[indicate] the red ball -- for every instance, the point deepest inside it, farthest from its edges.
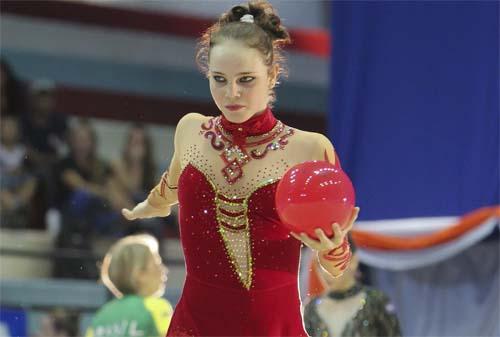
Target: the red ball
(314, 194)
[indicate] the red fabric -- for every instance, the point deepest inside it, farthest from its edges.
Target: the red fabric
(257, 125)
(213, 301)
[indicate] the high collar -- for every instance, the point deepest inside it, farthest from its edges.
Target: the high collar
(255, 126)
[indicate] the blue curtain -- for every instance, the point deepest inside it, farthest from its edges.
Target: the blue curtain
(414, 117)
(414, 105)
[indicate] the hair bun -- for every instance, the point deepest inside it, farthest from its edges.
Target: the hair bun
(237, 12)
(267, 18)
(275, 20)
(257, 12)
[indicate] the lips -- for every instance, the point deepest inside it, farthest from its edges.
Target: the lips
(234, 107)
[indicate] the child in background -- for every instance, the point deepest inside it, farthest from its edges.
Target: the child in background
(133, 271)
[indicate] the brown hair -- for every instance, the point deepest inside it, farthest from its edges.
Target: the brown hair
(124, 259)
(96, 168)
(265, 34)
(149, 166)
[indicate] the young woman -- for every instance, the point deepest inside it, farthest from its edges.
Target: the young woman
(241, 263)
(133, 173)
(133, 271)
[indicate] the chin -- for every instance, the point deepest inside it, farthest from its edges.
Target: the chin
(236, 116)
(159, 292)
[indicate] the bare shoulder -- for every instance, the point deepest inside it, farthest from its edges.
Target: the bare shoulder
(316, 144)
(308, 137)
(190, 119)
(188, 125)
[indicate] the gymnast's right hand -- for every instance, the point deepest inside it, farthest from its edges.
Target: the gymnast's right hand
(145, 210)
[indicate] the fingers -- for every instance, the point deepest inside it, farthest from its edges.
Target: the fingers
(354, 216)
(338, 234)
(127, 214)
(323, 242)
(326, 243)
(309, 242)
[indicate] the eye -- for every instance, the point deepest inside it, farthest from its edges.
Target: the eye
(219, 79)
(247, 79)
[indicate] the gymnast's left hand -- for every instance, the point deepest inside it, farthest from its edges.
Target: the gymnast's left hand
(323, 243)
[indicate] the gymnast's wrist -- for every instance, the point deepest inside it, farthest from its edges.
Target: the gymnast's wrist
(339, 256)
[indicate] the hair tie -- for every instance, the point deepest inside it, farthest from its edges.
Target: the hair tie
(247, 18)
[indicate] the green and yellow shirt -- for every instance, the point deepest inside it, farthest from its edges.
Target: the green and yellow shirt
(132, 316)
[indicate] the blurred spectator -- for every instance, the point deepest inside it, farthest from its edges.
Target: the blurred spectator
(17, 183)
(59, 323)
(82, 199)
(349, 308)
(133, 175)
(12, 100)
(44, 130)
(133, 271)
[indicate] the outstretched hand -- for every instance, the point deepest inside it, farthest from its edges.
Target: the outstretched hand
(145, 210)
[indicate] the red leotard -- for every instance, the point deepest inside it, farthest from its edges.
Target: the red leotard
(242, 265)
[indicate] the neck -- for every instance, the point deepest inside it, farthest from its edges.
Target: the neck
(142, 293)
(259, 124)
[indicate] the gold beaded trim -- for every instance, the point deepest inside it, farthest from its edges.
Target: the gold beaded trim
(231, 207)
(236, 225)
(245, 281)
(231, 223)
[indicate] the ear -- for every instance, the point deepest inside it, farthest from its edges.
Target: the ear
(273, 76)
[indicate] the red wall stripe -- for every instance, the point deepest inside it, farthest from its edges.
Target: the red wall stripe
(314, 42)
(112, 105)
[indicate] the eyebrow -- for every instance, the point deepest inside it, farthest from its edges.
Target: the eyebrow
(242, 73)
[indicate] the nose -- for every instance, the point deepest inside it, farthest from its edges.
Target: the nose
(233, 91)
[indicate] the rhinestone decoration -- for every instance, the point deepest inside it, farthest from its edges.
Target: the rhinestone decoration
(235, 157)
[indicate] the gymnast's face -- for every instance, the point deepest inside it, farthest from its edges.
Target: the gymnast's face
(240, 82)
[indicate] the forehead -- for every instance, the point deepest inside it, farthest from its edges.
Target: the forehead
(232, 57)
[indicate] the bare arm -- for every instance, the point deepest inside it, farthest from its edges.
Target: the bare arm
(75, 181)
(20, 197)
(164, 194)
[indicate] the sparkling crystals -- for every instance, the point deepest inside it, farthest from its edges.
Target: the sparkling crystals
(232, 172)
(230, 199)
(235, 157)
